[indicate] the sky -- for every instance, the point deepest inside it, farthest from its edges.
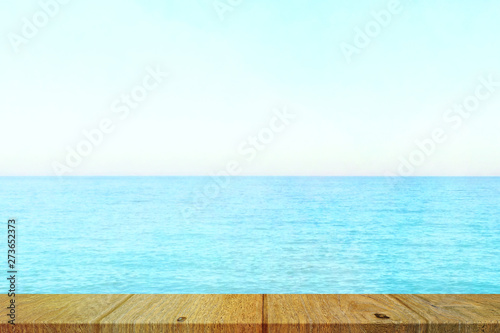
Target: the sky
(200, 87)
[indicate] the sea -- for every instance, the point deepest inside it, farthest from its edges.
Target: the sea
(248, 235)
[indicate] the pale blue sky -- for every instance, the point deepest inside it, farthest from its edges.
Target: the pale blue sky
(226, 77)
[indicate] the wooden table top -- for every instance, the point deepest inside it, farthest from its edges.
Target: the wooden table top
(140, 313)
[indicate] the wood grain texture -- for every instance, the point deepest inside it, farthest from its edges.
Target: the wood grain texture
(339, 313)
(186, 313)
(253, 313)
(456, 313)
(59, 313)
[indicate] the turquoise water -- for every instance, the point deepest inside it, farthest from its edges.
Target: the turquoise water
(255, 234)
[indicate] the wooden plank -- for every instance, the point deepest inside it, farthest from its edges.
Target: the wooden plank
(254, 313)
(456, 313)
(59, 313)
(186, 313)
(339, 313)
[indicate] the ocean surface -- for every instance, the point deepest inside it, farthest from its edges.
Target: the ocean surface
(254, 234)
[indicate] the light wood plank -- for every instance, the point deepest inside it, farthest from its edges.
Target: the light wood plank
(339, 313)
(59, 313)
(198, 313)
(254, 313)
(456, 313)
